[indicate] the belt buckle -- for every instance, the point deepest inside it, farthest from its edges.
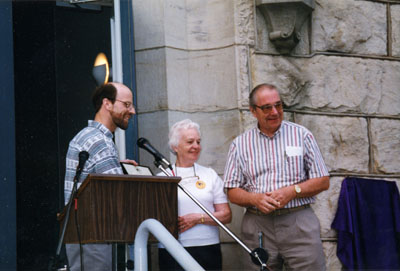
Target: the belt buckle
(280, 212)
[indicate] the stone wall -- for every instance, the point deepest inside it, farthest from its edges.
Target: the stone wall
(198, 59)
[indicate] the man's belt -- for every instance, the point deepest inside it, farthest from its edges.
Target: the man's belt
(279, 211)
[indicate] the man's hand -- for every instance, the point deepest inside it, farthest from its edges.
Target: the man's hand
(266, 203)
(263, 201)
(128, 161)
(283, 195)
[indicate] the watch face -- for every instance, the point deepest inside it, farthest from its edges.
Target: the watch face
(297, 188)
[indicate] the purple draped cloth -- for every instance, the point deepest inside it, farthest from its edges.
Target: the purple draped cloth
(368, 224)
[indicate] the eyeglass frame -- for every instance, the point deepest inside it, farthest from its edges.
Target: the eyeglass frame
(128, 105)
(267, 108)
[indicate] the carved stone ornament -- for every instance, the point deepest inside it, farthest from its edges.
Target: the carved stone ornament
(284, 19)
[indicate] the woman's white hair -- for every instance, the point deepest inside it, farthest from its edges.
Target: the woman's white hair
(175, 133)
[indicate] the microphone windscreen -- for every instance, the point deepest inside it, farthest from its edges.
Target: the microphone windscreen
(141, 142)
(83, 156)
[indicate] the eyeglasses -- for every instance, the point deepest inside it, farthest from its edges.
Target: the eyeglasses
(267, 108)
(128, 105)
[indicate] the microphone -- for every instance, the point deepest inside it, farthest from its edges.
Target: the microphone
(83, 156)
(145, 144)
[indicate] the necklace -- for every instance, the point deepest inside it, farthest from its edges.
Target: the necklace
(199, 183)
(194, 170)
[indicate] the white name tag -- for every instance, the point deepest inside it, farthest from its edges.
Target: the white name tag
(294, 151)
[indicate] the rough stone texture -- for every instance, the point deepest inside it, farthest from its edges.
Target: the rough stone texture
(385, 138)
(350, 26)
(325, 207)
(284, 73)
(332, 261)
(242, 75)
(244, 22)
(333, 84)
(343, 141)
(395, 12)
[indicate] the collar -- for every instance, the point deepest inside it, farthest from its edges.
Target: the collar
(277, 132)
(101, 127)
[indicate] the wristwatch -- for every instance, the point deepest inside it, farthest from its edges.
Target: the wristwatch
(297, 189)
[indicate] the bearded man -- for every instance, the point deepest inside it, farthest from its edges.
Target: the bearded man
(114, 107)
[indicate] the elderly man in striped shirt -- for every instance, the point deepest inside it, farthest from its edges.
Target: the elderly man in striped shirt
(274, 170)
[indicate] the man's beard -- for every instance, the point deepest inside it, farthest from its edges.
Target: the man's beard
(119, 120)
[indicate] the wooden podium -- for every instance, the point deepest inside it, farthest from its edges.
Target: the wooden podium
(110, 208)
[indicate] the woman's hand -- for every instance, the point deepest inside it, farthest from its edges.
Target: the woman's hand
(188, 221)
(222, 213)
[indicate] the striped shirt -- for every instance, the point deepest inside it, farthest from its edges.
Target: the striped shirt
(259, 164)
(97, 140)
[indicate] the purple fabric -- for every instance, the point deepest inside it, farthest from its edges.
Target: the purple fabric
(368, 224)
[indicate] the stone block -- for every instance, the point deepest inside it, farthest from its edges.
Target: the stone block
(232, 253)
(244, 22)
(175, 24)
(154, 126)
(210, 24)
(395, 14)
(289, 77)
(343, 141)
(235, 225)
(334, 84)
(358, 27)
(325, 207)
(151, 80)
(201, 80)
(148, 23)
(385, 143)
(183, 24)
(197, 80)
(242, 75)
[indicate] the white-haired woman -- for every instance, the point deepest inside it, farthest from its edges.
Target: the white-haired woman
(198, 233)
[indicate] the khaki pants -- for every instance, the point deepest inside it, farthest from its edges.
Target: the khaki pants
(292, 240)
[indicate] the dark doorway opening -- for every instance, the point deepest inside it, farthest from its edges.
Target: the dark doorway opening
(54, 50)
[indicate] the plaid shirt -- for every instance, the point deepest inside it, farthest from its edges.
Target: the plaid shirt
(97, 140)
(259, 164)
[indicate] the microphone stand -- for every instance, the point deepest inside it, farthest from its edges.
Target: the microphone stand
(54, 262)
(259, 256)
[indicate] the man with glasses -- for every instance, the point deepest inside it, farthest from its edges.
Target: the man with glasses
(274, 170)
(114, 107)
